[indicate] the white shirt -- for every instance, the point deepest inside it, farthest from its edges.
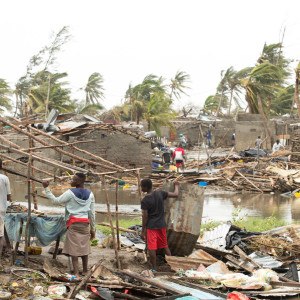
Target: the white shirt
(276, 147)
(182, 139)
(4, 191)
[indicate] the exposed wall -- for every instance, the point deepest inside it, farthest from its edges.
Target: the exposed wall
(247, 132)
(119, 148)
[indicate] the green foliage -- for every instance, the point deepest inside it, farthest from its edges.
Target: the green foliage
(209, 224)
(237, 216)
(5, 93)
(178, 84)
(256, 224)
(159, 113)
(59, 96)
(94, 90)
(125, 223)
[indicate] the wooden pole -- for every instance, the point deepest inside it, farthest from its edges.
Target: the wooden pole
(139, 184)
(199, 148)
(105, 166)
(85, 279)
(28, 211)
(79, 150)
(249, 181)
(111, 222)
(24, 164)
(117, 210)
(30, 143)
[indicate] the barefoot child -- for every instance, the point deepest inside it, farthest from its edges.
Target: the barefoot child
(154, 224)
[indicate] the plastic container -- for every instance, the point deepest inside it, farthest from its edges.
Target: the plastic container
(34, 250)
(297, 195)
(203, 183)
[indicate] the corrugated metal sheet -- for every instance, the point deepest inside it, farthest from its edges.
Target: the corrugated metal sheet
(68, 126)
(280, 292)
(265, 260)
(203, 255)
(183, 217)
(184, 289)
(285, 230)
(216, 238)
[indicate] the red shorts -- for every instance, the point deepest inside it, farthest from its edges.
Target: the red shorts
(156, 238)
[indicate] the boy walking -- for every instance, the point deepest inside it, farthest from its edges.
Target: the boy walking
(79, 215)
(153, 215)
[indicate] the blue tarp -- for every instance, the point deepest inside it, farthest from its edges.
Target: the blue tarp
(45, 229)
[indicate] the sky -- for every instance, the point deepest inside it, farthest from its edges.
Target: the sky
(125, 40)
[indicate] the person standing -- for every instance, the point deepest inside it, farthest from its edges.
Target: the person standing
(182, 140)
(179, 157)
(208, 138)
(79, 215)
(153, 219)
(277, 146)
(258, 142)
(233, 140)
(5, 196)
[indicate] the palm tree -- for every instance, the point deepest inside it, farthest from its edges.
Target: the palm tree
(259, 86)
(296, 97)
(159, 113)
(138, 97)
(222, 87)
(284, 101)
(5, 93)
(94, 90)
(178, 84)
(234, 83)
(59, 95)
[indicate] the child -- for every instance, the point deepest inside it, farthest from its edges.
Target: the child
(154, 224)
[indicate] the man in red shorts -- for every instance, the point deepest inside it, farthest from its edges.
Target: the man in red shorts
(179, 157)
(154, 224)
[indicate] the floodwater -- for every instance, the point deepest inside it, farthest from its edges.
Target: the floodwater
(218, 206)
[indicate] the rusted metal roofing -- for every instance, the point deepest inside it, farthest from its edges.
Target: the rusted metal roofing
(186, 263)
(288, 230)
(183, 217)
(68, 126)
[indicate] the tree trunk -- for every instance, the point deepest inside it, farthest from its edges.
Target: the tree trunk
(297, 92)
(17, 104)
(148, 125)
(220, 102)
(137, 118)
(265, 121)
(229, 107)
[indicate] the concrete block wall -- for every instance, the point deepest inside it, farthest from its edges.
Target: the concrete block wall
(247, 132)
(119, 148)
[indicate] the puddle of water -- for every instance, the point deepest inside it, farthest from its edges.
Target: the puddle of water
(217, 206)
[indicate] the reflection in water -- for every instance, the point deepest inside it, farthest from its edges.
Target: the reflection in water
(218, 207)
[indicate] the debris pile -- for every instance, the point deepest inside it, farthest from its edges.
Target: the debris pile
(235, 173)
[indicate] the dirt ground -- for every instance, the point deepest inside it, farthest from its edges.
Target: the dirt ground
(129, 259)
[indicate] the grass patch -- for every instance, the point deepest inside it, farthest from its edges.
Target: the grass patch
(256, 224)
(252, 224)
(125, 223)
(209, 224)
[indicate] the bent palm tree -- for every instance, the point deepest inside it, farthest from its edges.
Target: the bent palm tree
(5, 93)
(94, 90)
(178, 86)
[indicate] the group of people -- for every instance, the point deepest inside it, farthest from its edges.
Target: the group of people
(277, 146)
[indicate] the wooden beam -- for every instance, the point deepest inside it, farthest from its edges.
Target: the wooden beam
(28, 122)
(53, 146)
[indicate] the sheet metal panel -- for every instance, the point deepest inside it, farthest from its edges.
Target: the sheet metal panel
(183, 217)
